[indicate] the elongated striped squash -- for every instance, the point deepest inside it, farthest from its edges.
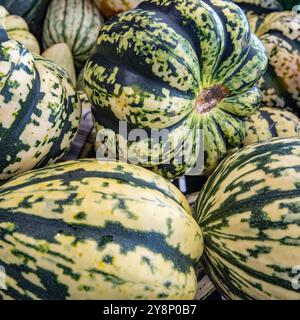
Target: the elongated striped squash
(280, 34)
(75, 22)
(17, 29)
(111, 8)
(96, 230)
(179, 67)
(268, 123)
(39, 109)
(33, 11)
(249, 212)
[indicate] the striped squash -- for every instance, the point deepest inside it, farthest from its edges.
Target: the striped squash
(266, 6)
(111, 8)
(180, 66)
(250, 218)
(17, 29)
(280, 34)
(75, 22)
(260, 6)
(96, 230)
(39, 109)
(268, 123)
(33, 11)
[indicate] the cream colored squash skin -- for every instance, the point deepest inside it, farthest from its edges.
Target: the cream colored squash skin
(268, 123)
(280, 34)
(75, 22)
(39, 109)
(249, 213)
(97, 230)
(17, 29)
(110, 8)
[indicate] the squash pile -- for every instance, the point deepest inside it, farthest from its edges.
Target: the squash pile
(149, 91)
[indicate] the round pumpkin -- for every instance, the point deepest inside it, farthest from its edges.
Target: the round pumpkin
(111, 8)
(33, 11)
(186, 68)
(280, 34)
(97, 230)
(39, 109)
(268, 123)
(17, 29)
(249, 215)
(75, 22)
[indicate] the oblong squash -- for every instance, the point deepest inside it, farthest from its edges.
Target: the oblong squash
(97, 230)
(249, 213)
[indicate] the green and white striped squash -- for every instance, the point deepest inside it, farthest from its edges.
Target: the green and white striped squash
(260, 7)
(268, 123)
(97, 230)
(39, 109)
(181, 66)
(75, 22)
(61, 54)
(249, 213)
(33, 11)
(17, 29)
(280, 34)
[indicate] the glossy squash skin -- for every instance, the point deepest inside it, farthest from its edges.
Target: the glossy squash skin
(39, 110)
(97, 230)
(183, 66)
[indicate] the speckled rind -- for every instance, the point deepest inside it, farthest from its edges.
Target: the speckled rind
(249, 214)
(97, 230)
(152, 63)
(75, 22)
(39, 110)
(268, 123)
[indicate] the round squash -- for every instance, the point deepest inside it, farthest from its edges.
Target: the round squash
(17, 29)
(268, 123)
(280, 34)
(111, 8)
(249, 215)
(39, 109)
(97, 230)
(175, 67)
(33, 11)
(75, 22)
